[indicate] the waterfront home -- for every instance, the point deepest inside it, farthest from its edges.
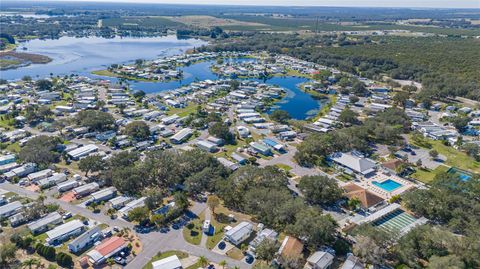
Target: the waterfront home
(239, 233)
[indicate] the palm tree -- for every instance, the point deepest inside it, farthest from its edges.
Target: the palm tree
(223, 263)
(202, 261)
(30, 262)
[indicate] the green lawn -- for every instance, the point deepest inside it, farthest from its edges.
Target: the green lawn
(159, 256)
(182, 112)
(107, 73)
(192, 233)
(284, 167)
(218, 234)
(426, 175)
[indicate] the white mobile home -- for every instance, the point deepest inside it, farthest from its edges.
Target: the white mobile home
(44, 224)
(65, 231)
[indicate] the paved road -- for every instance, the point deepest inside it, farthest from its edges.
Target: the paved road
(152, 242)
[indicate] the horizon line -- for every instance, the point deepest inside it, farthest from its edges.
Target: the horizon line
(146, 2)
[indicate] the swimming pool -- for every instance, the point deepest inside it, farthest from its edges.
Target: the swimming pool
(387, 185)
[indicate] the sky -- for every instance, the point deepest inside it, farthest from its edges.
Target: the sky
(337, 3)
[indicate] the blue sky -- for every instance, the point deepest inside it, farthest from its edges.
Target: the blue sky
(352, 3)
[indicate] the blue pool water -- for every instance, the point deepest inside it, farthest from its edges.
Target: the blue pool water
(387, 185)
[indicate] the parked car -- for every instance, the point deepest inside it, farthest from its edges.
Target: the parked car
(67, 215)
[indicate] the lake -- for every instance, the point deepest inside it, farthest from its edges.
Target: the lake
(84, 55)
(300, 105)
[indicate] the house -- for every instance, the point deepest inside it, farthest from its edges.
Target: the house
(103, 195)
(6, 159)
(34, 177)
(228, 164)
(21, 171)
(354, 162)
(239, 233)
(119, 202)
(207, 145)
(265, 234)
(368, 200)
(239, 158)
(17, 219)
(171, 262)
(80, 152)
(131, 205)
(106, 249)
(66, 186)
(65, 231)
(291, 248)
(262, 149)
(10, 209)
(84, 240)
(170, 119)
(319, 260)
(352, 262)
(45, 223)
(52, 180)
(181, 136)
(217, 141)
(85, 189)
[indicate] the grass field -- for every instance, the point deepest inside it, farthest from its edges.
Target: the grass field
(106, 73)
(182, 112)
(159, 256)
(192, 233)
(426, 176)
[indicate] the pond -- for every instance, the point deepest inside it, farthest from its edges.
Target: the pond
(297, 103)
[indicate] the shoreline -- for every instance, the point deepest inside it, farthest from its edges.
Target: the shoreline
(12, 59)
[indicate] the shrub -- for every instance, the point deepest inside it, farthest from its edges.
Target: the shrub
(64, 260)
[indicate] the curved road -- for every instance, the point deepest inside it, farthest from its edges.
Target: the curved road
(153, 242)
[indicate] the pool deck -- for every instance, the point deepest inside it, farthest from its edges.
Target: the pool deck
(380, 177)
